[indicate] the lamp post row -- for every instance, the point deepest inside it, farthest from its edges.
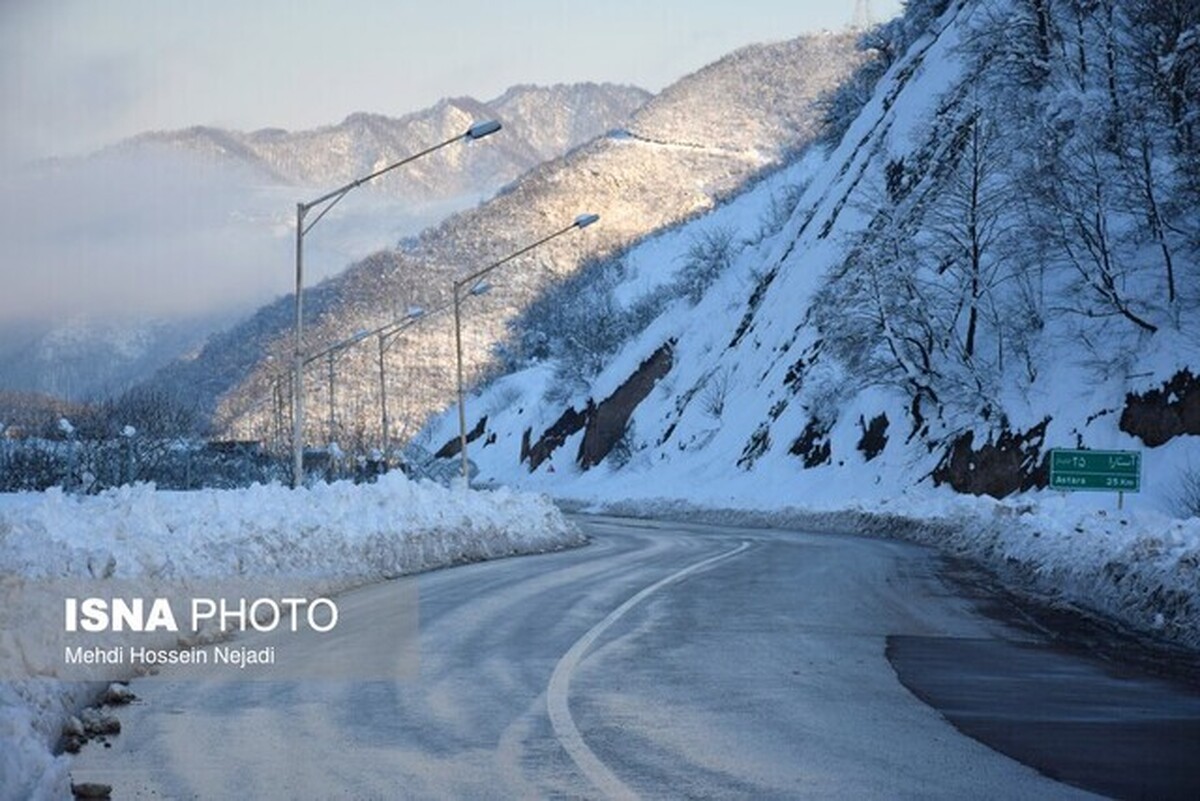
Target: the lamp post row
(330, 199)
(330, 354)
(386, 332)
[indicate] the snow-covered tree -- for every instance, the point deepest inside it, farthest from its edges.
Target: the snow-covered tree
(708, 255)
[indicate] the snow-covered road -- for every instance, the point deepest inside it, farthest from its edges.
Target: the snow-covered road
(664, 660)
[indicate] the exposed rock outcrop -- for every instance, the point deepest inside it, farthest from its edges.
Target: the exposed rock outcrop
(1159, 415)
(1011, 463)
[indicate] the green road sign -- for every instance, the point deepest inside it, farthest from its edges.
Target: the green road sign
(1114, 471)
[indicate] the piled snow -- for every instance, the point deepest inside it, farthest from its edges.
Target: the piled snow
(343, 533)
(1140, 568)
(336, 536)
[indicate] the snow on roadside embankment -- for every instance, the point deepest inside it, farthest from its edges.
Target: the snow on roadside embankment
(337, 536)
(1138, 568)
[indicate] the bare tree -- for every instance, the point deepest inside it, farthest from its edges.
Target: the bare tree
(872, 313)
(709, 254)
(968, 218)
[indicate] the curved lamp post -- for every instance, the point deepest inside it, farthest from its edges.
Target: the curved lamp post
(477, 131)
(471, 284)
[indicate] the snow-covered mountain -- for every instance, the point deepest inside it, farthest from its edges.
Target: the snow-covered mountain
(691, 146)
(998, 257)
(85, 359)
(183, 230)
(541, 123)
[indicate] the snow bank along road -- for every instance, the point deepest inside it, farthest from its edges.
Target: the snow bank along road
(671, 661)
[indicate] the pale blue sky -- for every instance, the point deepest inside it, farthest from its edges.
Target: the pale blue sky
(78, 74)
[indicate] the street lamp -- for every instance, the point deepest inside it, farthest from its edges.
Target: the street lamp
(477, 131)
(471, 283)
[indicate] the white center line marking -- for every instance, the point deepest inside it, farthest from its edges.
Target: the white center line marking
(560, 684)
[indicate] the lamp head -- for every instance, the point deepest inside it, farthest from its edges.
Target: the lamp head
(584, 220)
(482, 129)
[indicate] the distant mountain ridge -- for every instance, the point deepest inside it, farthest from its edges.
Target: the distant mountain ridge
(541, 123)
(261, 174)
(86, 359)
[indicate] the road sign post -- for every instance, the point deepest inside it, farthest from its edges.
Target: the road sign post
(1102, 471)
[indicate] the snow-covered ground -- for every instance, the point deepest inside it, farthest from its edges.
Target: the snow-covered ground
(330, 536)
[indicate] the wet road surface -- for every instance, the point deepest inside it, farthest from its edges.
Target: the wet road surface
(670, 661)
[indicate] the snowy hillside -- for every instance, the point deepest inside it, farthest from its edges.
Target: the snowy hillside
(998, 258)
(638, 180)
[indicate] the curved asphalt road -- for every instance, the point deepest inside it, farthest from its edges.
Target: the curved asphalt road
(661, 661)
